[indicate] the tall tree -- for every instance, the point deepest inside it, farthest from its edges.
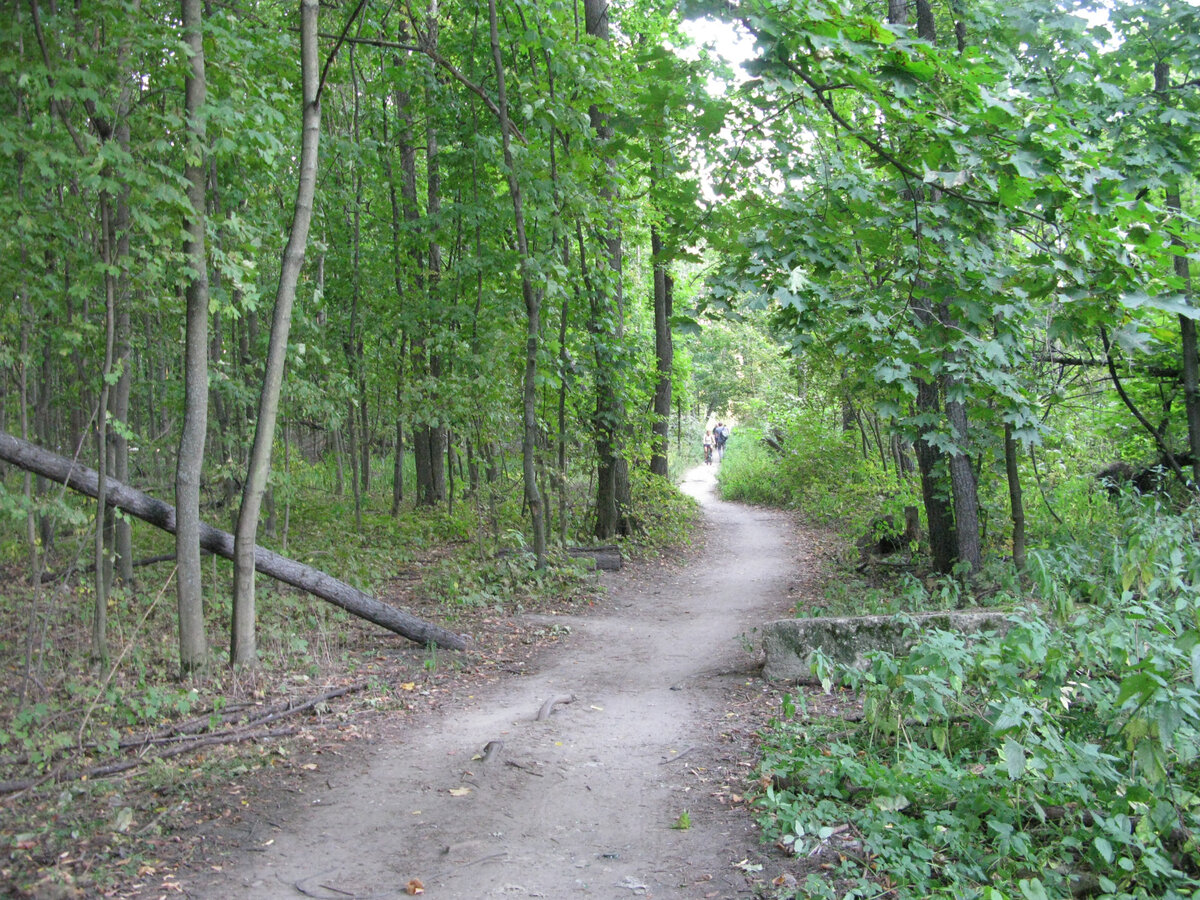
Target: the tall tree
(193, 644)
(607, 323)
(243, 647)
(533, 497)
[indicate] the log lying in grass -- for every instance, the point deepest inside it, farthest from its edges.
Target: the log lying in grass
(607, 558)
(789, 644)
(79, 478)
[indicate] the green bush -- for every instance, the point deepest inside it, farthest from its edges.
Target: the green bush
(817, 468)
(1064, 753)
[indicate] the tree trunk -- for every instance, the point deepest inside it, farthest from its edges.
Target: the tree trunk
(664, 354)
(938, 515)
(193, 645)
(162, 515)
(438, 437)
(1015, 501)
(533, 497)
(119, 444)
(242, 631)
(963, 488)
(104, 537)
(607, 326)
(1187, 326)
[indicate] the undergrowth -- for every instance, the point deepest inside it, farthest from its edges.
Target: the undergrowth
(1060, 759)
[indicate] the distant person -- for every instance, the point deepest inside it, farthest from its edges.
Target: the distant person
(720, 435)
(708, 448)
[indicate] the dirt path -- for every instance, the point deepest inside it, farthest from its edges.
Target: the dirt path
(580, 802)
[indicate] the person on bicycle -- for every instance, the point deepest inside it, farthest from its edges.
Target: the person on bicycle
(708, 448)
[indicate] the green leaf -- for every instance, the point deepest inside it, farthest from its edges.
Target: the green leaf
(1014, 758)
(1170, 303)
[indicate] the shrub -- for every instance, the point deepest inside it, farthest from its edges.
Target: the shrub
(1064, 753)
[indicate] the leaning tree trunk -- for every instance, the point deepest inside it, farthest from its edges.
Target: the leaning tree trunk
(193, 645)
(242, 635)
(162, 515)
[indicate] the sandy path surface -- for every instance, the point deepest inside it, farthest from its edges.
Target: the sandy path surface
(580, 802)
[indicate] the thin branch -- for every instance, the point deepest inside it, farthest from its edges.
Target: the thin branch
(338, 46)
(370, 42)
(54, 102)
(1137, 413)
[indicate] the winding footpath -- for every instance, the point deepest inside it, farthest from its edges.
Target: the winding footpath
(575, 779)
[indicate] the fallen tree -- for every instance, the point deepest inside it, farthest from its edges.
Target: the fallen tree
(79, 478)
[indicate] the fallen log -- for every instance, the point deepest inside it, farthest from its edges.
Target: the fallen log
(607, 558)
(79, 478)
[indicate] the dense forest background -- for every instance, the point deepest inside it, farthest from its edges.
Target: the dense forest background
(354, 280)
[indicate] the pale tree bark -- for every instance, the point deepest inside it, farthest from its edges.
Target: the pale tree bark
(193, 645)
(533, 497)
(242, 632)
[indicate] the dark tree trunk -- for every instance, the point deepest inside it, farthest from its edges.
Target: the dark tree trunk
(1015, 501)
(1187, 326)
(664, 354)
(938, 514)
(607, 325)
(963, 487)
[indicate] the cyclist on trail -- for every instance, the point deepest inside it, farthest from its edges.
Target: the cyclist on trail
(708, 448)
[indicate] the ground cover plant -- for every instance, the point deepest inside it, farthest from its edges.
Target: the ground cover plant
(1059, 759)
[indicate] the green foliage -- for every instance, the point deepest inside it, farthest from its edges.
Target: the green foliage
(663, 515)
(813, 466)
(1015, 764)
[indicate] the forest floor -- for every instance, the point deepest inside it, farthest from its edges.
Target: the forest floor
(603, 749)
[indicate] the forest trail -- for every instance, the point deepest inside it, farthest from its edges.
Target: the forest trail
(582, 801)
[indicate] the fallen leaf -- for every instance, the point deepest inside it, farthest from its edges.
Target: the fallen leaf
(414, 887)
(459, 791)
(408, 686)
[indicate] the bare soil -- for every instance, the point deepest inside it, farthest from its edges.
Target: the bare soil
(612, 765)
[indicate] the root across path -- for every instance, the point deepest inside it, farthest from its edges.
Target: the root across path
(610, 771)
